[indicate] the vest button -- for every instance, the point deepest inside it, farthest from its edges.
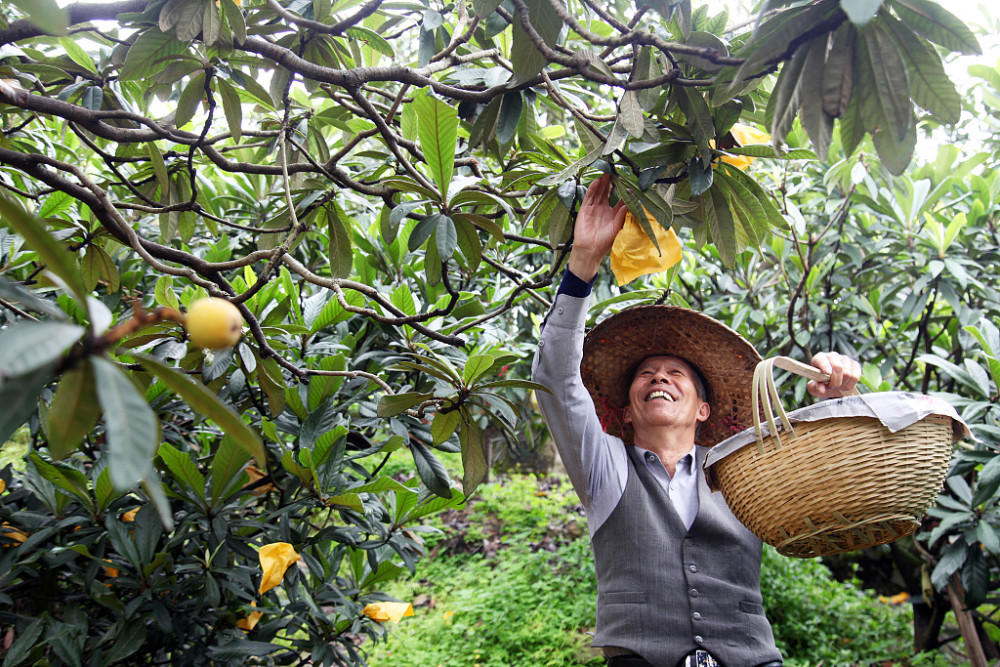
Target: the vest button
(688, 543)
(696, 616)
(693, 592)
(693, 567)
(698, 639)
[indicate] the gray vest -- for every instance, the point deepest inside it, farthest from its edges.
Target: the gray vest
(663, 591)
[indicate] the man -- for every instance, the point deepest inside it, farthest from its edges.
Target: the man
(633, 411)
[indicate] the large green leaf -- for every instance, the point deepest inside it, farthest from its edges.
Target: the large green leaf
(698, 120)
(183, 469)
(930, 86)
(720, 223)
(132, 429)
(66, 478)
(935, 23)
(785, 99)
(430, 469)
(393, 404)
(19, 398)
(474, 464)
(190, 98)
(74, 411)
(527, 60)
(838, 72)
(26, 346)
(205, 402)
(437, 127)
(815, 121)
(892, 82)
(147, 55)
(52, 253)
(339, 233)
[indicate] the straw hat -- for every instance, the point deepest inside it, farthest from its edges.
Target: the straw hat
(726, 361)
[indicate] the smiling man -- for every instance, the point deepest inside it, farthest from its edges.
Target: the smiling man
(634, 408)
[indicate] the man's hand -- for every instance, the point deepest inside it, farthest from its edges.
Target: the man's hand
(844, 374)
(597, 224)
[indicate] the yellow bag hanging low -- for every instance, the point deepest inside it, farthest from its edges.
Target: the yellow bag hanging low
(634, 255)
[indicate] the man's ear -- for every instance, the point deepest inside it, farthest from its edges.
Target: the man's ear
(704, 411)
(627, 414)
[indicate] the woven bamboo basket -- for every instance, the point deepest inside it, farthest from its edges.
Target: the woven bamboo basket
(832, 485)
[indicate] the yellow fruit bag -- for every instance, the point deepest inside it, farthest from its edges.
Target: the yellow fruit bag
(634, 255)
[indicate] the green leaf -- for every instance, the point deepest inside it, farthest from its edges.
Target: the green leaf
(130, 424)
(64, 477)
(26, 346)
(190, 98)
(815, 121)
(47, 15)
(74, 411)
(148, 54)
(431, 471)
(19, 398)
(183, 469)
(234, 16)
(930, 86)
(936, 24)
(485, 7)
(372, 39)
(437, 127)
(698, 119)
(630, 114)
(341, 251)
(838, 72)
(52, 253)
(444, 424)
(626, 190)
(860, 12)
(510, 114)
(892, 83)
(77, 54)
(445, 236)
(720, 224)
(392, 404)
(476, 366)
(647, 67)
(98, 265)
(785, 100)
(474, 465)
(527, 60)
(227, 466)
(203, 401)
(27, 638)
(104, 490)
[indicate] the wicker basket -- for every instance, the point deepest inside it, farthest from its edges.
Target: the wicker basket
(832, 485)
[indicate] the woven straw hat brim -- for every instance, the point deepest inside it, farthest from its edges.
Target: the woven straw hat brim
(726, 361)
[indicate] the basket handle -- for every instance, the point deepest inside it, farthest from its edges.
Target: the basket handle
(764, 391)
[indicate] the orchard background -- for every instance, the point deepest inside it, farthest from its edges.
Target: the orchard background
(386, 192)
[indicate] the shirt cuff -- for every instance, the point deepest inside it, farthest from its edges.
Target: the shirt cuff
(573, 285)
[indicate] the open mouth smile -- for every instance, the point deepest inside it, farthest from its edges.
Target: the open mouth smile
(659, 394)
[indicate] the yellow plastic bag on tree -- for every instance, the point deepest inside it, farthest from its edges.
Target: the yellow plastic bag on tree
(274, 560)
(387, 611)
(745, 136)
(634, 255)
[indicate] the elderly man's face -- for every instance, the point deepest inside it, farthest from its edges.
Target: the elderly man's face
(664, 392)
